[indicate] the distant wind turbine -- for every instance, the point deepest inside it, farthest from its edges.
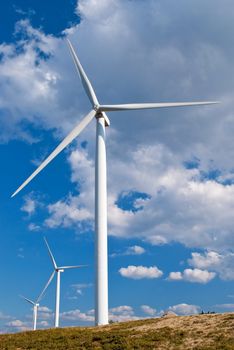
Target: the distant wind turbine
(36, 304)
(98, 112)
(58, 270)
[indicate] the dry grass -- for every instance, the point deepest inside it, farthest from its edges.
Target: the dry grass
(200, 332)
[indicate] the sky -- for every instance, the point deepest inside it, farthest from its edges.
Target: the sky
(170, 172)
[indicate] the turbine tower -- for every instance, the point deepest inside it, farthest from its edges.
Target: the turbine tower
(98, 112)
(36, 304)
(58, 270)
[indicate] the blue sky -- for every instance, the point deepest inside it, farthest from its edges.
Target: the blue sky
(170, 172)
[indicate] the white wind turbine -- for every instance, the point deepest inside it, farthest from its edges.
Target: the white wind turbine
(58, 270)
(36, 304)
(98, 112)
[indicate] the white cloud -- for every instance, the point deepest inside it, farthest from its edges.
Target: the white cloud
(96, 10)
(182, 209)
(221, 263)
(133, 250)
(122, 313)
(148, 310)
(26, 90)
(79, 287)
(43, 324)
(184, 206)
(45, 313)
(122, 308)
(197, 275)
(33, 227)
(18, 325)
(209, 260)
(91, 312)
(76, 315)
(67, 213)
(140, 272)
(185, 309)
(192, 275)
(29, 205)
(175, 276)
(44, 309)
(156, 240)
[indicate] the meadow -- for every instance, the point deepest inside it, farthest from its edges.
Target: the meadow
(200, 332)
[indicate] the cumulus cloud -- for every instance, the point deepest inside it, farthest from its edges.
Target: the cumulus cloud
(43, 324)
(26, 90)
(206, 266)
(148, 310)
(17, 326)
(67, 213)
(29, 205)
(76, 315)
(133, 250)
(188, 204)
(206, 260)
(122, 313)
(185, 309)
(181, 207)
(175, 276)
(140, 272)
(45, 313)
(122, 308)
(221, 263)
(192, 275)
(44, 309)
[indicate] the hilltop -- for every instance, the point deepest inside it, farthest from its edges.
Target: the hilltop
(200, 332)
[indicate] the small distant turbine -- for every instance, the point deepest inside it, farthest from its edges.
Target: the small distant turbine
(98, 112)
(58, 270)
(36, 304)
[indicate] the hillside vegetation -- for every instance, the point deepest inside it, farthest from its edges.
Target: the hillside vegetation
(200, 332)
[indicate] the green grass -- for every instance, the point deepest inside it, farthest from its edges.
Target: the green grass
(202, 332)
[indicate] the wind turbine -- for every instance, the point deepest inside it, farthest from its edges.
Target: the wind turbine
(58, 270)
(36, 304)
(98, 112)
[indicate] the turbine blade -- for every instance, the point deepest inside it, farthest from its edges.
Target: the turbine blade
(50, 254)
(46, 286)
(68, 139)
(107, 120)
(133, 106)
(28, 300)
(71, 267)
(84, 79)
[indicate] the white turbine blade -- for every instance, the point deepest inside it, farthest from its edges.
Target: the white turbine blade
(133, 106)
(84, 79)
(71, 267)
(107, 120)
(46, 286)
(68, 139)
(51, 255)
(28, 300)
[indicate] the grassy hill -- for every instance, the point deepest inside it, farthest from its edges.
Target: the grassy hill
(200, 332)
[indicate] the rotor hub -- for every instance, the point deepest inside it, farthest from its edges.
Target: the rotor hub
(96, 107)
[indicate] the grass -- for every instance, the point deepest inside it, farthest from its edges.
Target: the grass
(200, 332)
